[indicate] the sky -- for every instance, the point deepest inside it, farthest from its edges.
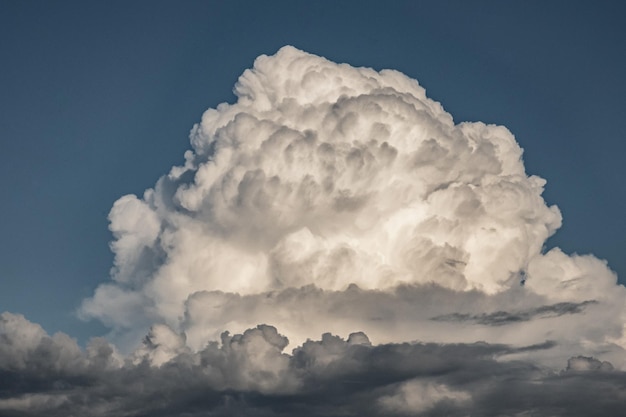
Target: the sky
(98, 101)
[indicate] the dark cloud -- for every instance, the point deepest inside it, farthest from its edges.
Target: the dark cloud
(249, 374)
(501, 318)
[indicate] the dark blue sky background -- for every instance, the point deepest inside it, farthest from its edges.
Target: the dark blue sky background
(97, 99)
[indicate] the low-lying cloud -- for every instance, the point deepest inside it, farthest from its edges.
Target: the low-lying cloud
(250, 374)
(332, 200)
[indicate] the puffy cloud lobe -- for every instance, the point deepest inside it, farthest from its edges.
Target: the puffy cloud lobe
(135, 227)
(27, 348)
(584, 363)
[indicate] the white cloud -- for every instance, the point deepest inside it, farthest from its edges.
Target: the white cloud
(321, 176)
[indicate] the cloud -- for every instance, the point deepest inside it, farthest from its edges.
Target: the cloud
(417, 396)
(584, 363)
(326, 185)
(250, 374)
(332, 200)
(500, 318)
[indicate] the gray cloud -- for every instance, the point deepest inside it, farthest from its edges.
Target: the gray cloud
(330, 198)
(501, 318)
(249, 374)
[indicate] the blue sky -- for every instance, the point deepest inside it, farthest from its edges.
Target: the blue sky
(97, 100)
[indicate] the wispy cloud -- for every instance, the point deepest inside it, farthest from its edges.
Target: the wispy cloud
(501, 318)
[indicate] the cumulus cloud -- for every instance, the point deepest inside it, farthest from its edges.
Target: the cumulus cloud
(332, 200)
(326, 185)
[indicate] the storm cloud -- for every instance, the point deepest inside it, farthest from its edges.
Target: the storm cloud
(334, 244)
(249, 374)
